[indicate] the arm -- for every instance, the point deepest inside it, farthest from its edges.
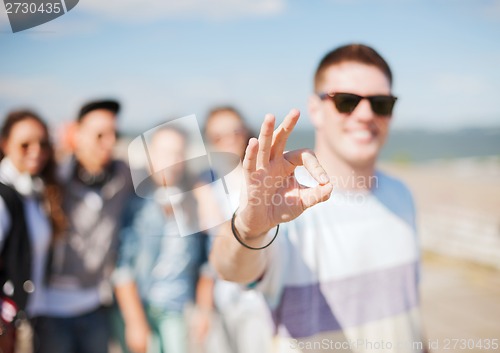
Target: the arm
(205, 293)
(204, 307)
(270, 195)
(137, 330)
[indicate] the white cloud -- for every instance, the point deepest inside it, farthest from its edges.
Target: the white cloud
(140, 10)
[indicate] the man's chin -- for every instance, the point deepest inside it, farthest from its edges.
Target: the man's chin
(362, 157)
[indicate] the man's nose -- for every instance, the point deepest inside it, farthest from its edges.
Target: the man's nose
(363, 111)
(109, 141)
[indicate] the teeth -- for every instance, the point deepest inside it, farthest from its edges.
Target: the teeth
(362, 134)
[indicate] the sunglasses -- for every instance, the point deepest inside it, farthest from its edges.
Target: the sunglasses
(347, 102)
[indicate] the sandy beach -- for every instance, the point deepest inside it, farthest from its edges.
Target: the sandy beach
(458, 207)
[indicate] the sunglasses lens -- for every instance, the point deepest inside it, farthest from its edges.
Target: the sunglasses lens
(345, 102)
(382, 105)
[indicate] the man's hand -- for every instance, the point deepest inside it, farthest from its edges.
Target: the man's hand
(271, 194)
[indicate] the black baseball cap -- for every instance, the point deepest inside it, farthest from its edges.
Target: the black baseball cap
(111, 105)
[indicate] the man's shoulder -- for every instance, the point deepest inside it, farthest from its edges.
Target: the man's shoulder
(120, 166)
(388, 183)
(120, 182)
(396, 196)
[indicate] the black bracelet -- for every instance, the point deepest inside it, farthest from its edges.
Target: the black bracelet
(236, 235)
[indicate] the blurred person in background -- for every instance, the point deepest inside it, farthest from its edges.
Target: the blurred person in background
(30, 219)
(243, 313)
(96, 189)
(157, 270)
(65, 140)
(346, 271)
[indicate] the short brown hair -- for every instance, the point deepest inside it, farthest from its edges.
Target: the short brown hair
(359, 53)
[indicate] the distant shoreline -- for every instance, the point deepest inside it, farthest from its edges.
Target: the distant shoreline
(409, 146)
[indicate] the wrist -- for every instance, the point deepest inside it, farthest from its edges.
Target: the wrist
(204, 310)
(246, 232)
(252, 242)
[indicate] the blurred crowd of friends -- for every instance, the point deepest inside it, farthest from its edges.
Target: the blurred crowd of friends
(97, 263)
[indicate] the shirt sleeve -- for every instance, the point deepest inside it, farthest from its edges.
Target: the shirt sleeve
(5, 222)
(127, 247)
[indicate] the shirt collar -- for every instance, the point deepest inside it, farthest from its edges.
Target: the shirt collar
(23, 183)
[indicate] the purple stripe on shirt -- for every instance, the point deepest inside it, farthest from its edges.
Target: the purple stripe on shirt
(315, 308)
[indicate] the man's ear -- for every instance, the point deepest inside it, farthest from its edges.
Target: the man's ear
(76, 136)
(315, 111)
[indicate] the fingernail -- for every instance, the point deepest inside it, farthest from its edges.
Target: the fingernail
(324, 178)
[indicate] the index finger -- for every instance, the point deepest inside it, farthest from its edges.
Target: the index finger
(308, 159)
(280, 136)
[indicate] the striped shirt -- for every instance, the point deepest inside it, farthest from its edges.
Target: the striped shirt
(344, 275)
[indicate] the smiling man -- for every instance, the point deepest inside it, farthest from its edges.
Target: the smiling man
(96, 189)
(342, 275)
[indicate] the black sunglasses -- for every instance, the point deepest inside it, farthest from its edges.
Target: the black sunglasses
(347, 102)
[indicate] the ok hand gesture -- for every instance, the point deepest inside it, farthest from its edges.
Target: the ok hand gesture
(271, 194)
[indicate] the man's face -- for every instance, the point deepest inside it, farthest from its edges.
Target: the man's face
(355, 137)
(226, 133)
(96, 138)
(167, 154)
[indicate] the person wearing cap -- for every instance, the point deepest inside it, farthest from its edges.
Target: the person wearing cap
(96, 189)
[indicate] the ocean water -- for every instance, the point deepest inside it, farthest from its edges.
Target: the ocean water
(421, 145)
(407, 146)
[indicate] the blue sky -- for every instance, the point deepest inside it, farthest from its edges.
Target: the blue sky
(171, 58)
